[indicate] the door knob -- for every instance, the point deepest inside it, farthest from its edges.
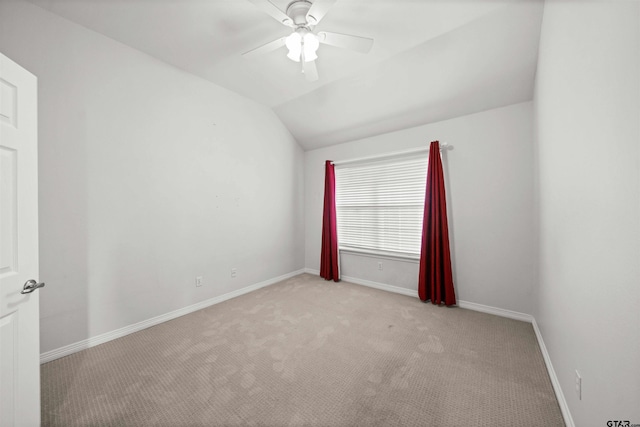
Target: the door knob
(30, 286)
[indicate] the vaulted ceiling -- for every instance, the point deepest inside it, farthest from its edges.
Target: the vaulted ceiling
(431, 59)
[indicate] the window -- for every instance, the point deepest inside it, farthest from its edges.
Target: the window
(380, 205)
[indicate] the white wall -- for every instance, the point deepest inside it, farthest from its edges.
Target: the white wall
(587, 109)
(489, 184)
(148, 177)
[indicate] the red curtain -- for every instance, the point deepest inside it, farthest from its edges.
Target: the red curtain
(435, 281)
(329, 255)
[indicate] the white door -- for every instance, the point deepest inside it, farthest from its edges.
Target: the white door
(19, 312)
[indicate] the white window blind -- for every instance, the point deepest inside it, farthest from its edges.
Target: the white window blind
(380, 205)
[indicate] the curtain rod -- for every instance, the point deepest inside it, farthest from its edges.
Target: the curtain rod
(443, 146)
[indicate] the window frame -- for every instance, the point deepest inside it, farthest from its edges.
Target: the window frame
(420, 180)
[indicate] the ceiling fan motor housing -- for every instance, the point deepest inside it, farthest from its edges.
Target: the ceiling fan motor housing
(297, 11)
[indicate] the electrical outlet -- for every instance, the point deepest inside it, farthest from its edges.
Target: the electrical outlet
(578, 385)
(199, 281)
(234, 272)
(380, 266)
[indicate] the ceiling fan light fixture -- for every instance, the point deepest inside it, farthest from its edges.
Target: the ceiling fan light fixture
(294, 44)
(310, 47)
(302, 41)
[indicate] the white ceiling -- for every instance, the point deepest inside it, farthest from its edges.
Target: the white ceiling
(431, 59)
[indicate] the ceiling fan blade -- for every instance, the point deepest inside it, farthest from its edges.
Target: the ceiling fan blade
(310, 71)
(270, 9)
(318, 9)
(265, 48)
(345, 41)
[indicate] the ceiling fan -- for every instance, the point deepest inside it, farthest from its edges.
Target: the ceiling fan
(303, 42)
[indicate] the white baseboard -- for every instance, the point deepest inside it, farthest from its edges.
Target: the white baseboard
(414, 293)
(371, 284)
(118, 333)
(381, 286)
(496, 311)
(564, 408)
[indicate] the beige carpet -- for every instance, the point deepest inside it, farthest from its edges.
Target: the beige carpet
(309, 352)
